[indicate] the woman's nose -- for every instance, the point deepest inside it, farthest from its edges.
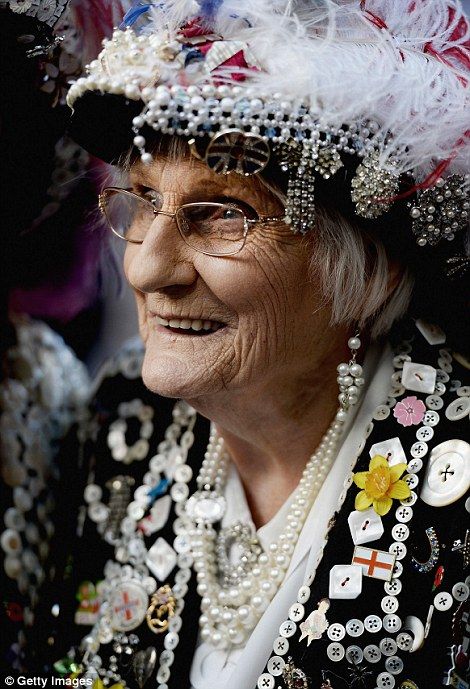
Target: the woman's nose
(162, 260)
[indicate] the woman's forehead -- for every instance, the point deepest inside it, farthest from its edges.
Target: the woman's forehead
(193, 176)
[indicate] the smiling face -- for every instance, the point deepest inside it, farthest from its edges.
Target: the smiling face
(218, 324)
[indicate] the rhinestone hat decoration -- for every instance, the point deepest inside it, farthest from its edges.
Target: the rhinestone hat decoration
(256, 78)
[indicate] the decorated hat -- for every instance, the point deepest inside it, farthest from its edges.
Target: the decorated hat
(378, 86)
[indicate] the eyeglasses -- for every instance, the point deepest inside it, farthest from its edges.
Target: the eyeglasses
(214, 229)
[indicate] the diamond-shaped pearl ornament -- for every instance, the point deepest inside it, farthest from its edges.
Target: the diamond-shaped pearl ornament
(365, 526)
(161, 559)
(418, 377)
(345, 581)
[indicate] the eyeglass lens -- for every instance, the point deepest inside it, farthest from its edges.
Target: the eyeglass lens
(212, 228)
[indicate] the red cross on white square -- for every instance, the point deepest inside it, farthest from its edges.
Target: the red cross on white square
(377, 564)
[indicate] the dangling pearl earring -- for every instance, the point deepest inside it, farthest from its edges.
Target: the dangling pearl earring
(350, 376)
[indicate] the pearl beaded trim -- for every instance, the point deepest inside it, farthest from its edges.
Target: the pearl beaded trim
(229, 616)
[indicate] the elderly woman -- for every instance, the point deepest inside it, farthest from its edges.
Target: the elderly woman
(290, 171)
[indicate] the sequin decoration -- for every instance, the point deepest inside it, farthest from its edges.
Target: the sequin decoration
(430, 563)
(373, 188)
(293, 677)
(441, 211)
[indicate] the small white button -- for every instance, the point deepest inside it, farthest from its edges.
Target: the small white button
(373, 624)
(391, 449)
(393, 587)
(385, 681)
(336, 632)
(458, 409)
(394, 665)
(355, 627)
(447, 475)
(460, 591)
(415, 465)
(405, 641)
(400, 532)
(445, 365)
(442, 376)
(463, 391)
(280, 646)
(335, 652)
(296, 612)
(287, 629)
(381, 412)
(432, 334)
(398, 549)
(419, 449)
(276, 665)
(389, 604)
(410, 500)
(411, 480)
(365, 526)
(404, 514)
(443, 601)
(392, 623)
(345, 581)
(354, 654)
(400, 359)
(372, 653)
(439, 389)
(397, 569)
(266, 681)
(434, 402)
(431, 418)
(388, 646)
(425, 433)
(303, 594)
(445, 354)
(454, 385)
(418, 377)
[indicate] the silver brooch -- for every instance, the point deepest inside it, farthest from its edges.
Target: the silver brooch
(237, 151)
(441, 211)
(373, 187)
(293, 677)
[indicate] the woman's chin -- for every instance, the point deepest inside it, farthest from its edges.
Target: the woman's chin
(167, 376)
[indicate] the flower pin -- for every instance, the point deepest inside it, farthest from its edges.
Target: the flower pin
(410, 411)
(380, 485)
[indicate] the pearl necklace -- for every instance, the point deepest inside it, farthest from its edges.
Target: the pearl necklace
(230, 615)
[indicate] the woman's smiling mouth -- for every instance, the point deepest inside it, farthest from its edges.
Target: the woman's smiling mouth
(188, 326)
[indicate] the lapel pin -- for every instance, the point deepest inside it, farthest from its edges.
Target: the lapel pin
(316, 623)
(377, 564)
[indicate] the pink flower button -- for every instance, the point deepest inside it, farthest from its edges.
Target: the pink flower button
(410, 411)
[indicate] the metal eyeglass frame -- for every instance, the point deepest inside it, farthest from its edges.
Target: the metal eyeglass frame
(246, 221)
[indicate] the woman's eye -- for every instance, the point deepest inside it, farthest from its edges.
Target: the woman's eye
(238, 205)
(230, 213)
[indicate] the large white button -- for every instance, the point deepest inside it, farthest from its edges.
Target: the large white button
(418, 377)
(458, 409)
(287, 629)
(280, 646)
(447, 475)
(443, 601)
(296, 612)
(276, 665)
(345, 581)
(391, 449)
(365, 526)
(266, 681)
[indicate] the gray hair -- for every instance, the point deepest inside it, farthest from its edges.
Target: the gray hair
(353, 267)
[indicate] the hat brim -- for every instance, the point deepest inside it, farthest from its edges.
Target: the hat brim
(102, 124)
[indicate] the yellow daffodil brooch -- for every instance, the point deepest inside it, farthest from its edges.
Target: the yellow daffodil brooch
(380, 485)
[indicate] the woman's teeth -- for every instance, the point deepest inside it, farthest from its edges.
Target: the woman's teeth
(188, 324)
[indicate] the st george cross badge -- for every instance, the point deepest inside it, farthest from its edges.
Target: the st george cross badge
(377, 564)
